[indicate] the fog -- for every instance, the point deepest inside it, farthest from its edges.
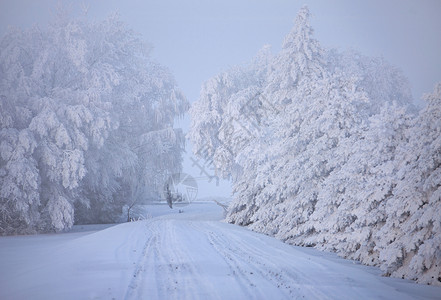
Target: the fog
(198, 39)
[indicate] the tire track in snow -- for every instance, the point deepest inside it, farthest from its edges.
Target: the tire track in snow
(137, 280)
(281, 275)
(176, 267)
(291, 274)
(186, 279)
(235, 264)
(163, 270)
(150, 277)
(289, 280)
(243, 276)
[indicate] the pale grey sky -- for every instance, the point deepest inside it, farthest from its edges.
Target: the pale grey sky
(197, 39)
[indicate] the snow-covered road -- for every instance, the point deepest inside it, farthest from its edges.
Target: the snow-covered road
(190, 255)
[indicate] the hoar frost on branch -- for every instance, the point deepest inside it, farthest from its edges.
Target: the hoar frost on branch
(325, 149)
(86, 124)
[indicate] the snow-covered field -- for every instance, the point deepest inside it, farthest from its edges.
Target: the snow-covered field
(189, 255)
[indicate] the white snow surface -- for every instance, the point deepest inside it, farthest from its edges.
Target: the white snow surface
(188, 255)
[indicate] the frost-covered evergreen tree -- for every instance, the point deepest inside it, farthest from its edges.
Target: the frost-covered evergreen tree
(354, 196)
(86, 124)
(410, 241)
(301, 59)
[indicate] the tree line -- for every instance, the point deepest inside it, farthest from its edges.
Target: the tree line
(86, 124)
(324, 148)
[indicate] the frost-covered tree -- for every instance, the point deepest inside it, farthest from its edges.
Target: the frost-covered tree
(353, 198)
(299, 62)
(410, 241)
(19, 180)
(380, 80)
(86, 124)
(228, 113)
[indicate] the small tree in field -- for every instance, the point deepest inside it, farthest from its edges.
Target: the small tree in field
(168, 196)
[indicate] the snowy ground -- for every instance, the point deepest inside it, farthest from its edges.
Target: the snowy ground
(189, 255)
